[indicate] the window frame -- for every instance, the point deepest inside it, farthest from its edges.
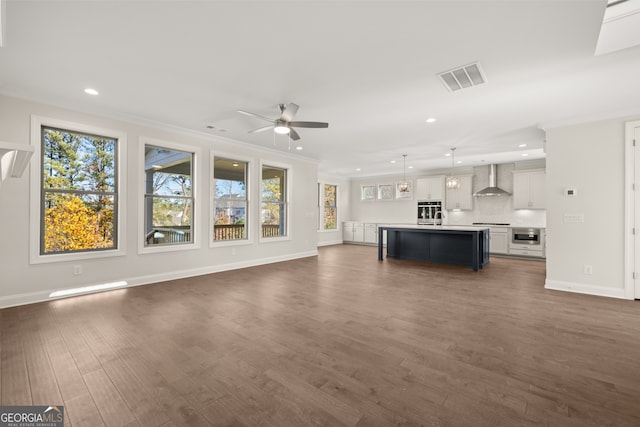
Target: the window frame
(249, 212)
(36, 219)
(287, 193)
(143, 141)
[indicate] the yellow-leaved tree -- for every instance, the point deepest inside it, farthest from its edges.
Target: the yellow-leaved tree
(70, 226)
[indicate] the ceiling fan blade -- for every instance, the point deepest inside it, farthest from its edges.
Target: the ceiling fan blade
(289, 111)
(309, 124)
(293, 134)
(261, 129)
(248, 113)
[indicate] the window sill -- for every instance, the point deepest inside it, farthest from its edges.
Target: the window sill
(224, 243)
(167, 248)
(78, 256)
(274, 239)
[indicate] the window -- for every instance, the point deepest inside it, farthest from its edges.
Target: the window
(230, 205)
(168, 199)
(273, 209)
(330, 208)
(78, 191)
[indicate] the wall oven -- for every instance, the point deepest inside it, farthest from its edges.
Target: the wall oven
(525, 236)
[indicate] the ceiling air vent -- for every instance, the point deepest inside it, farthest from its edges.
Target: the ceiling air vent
(463, 77)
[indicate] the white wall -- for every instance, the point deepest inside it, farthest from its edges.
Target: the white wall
(22, 282)
(333, 237)
(590, 158)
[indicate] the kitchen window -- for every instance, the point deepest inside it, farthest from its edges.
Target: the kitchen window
(274, 203)
(168, 198)
(230, 199)
(330, 213)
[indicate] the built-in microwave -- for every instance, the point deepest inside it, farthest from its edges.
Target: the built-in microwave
(525, 236)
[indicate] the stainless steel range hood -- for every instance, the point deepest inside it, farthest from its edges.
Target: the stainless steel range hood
(492, 189)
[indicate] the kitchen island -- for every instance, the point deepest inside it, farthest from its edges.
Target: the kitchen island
(457, 245)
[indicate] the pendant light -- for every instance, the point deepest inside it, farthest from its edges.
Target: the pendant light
(452, 182)
(403, 186)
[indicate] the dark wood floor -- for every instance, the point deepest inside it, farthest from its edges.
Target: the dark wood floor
(340, 339)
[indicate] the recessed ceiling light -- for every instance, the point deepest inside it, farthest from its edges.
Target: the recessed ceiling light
(298, 147)
(358, 169)
(459, 161)
(525, 154)
(448, 155)
(392, 161)
(410, 167)
(235, 164)
(90, 91)
(522, 145)
(431, 120)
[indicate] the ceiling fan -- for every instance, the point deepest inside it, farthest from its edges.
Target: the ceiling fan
(285, 124)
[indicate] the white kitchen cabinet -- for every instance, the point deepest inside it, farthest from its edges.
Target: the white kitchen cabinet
(528, 189)
(353, 232)
(371, 233)
(527, 252)
(499, 240)
(431, 188)
(460, 198)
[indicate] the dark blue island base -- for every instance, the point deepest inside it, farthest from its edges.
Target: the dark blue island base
(444, 245)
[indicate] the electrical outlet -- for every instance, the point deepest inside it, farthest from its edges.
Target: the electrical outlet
(588, 269)
(77, 270)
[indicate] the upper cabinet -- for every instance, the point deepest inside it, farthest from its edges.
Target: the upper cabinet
(528, 189)
(431, 188)
(461, 198)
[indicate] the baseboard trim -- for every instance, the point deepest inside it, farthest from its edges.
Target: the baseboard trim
(41, 296)
(580, 288)
(330, 243)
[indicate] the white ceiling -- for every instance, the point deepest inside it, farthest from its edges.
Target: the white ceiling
(369, 68)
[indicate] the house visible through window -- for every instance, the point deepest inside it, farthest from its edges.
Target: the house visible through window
(168, 196)
(274, 202)
(79, 199)
(230, 208)
(330, 207)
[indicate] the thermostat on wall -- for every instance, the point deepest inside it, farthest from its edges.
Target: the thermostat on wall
(571, 192)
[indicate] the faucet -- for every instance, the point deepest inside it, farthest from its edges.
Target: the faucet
(435, 217)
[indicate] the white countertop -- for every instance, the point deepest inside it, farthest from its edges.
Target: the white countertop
(439, 227)
(506, 226)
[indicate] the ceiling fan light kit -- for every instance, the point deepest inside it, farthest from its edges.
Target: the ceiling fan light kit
(281, 129)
